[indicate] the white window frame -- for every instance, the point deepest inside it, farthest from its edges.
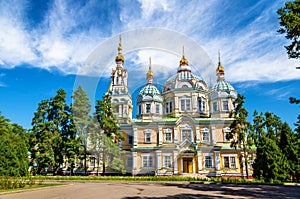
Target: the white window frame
(231, 161)
(147, 161)
(201, 105)
(167, 158)
(205, 131)
(211, 165)
(184, 133)
(147, 135)
(184, 106)
(168, 131)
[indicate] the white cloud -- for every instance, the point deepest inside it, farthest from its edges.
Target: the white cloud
(245, 33)
(15, 46)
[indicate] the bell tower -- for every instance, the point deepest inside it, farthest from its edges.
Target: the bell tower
(118, 89)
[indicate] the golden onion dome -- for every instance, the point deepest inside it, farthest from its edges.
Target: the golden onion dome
(120, 57)
(220, 69)
(184, 61)
(150, 74)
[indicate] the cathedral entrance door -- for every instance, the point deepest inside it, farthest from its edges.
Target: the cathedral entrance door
(187, 165)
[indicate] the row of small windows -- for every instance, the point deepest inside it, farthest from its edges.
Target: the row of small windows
(185, 106)
(185, 134)
(229, 162)
(225, 106)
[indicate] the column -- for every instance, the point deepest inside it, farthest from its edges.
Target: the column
(175, 158)
(159, 135)
(213, 135)
(134, 162)
(135, 137)
(175, 135)
(217, 160)
(158, 161)
(199, 154)
(197, 135)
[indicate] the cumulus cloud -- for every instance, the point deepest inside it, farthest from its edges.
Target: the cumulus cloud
(69, 32)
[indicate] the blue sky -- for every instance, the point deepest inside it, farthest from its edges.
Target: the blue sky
(46, 45)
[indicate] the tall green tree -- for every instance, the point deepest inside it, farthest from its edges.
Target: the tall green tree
(240, 130)
(269, 162)
(289, 17)
(53, 127)
(104, 149)
(297, 124)
(13, 149)
(107, 122)
(276, 150)
(289, 145)
(81, 108)
(106, 118)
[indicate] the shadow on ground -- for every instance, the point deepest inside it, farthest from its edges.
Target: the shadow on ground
(231, 190)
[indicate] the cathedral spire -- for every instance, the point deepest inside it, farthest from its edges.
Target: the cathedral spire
(150, 74)
(183, 60)
(220, 69)
(120, 57)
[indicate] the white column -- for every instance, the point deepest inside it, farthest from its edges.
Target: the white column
(175, 135)
(213, 135)
(159, 135)
(158, 161)
(199, 154)
(175, 158)
(197, 135)
(135, 137)
(134, 160)
(217, 158)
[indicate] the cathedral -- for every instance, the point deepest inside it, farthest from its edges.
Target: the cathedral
(179, 129)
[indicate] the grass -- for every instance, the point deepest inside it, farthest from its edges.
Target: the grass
(30, 187)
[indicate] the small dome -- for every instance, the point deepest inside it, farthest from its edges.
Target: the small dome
(184, 61)
(220, 69)
(120, 57)
(149, 89)
(222, 85)
(181, 76)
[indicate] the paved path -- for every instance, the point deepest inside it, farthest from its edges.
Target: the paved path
(132, 190)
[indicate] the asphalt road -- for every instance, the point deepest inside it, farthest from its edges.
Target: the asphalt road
(132, 190)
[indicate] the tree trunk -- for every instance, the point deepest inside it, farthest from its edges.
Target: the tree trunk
(103, 164)
(85, 160)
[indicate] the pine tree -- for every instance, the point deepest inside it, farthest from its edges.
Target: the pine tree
(240, 130)
(289, 17)
(81, 108)
(104, 149)
(269, 161)
(288, 145)
(52, 127)
(108, 125)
